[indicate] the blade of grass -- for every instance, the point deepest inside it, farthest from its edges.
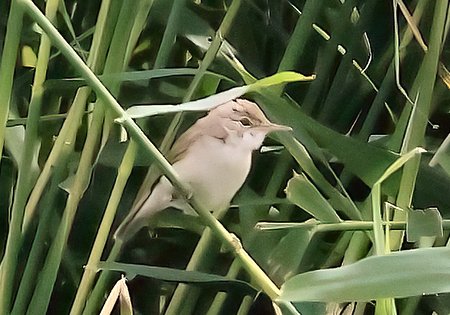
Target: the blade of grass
(104, 229)
(39, 247)
(138, 15)
(100, 44)
(300, 35)
(170, 34)
(7, 64)
(318, 226)
(386, 276)
(418, 117)
(25, 175)
(42, 294)
(203, 250)
(41, 297)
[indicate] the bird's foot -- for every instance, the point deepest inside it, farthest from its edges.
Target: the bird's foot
(235, 245)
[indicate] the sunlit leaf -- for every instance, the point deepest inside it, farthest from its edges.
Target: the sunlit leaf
(212, 101)
(399, 163)
(279, 78)
(28, 57)
(303, 193)
(442, 156)
(427, 222)
(395, 275)
(203, 104)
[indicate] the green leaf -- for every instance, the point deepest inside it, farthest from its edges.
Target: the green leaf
(399, 163)
(14, 143)
(145, 75)
(432, 183)
(427, 222)
(279, 78)
(305, 195)
(212, 101)
(442, 156)
(365, 160)
(408, 273)
(203, 104)
(29, 58)
(288, 253)
(175, 275)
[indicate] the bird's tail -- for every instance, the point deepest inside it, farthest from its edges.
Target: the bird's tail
(138, 217)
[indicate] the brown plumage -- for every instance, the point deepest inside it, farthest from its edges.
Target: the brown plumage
(213, 157)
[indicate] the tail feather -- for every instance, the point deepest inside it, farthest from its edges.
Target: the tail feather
(138, 218)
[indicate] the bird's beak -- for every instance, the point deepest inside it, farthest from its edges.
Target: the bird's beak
(275, 127)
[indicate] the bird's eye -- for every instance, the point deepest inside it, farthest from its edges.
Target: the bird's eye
(246, 122)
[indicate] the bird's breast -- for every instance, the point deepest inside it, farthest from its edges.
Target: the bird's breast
(215, 170)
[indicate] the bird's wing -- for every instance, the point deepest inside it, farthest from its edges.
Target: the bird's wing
(201, 128)
(182, 144)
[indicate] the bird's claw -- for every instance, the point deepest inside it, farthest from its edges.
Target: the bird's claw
(236, 243)
(233, 245)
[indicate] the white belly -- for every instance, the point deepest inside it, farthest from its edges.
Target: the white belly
(215, 170)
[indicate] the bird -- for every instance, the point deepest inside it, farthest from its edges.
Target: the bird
(213, 157)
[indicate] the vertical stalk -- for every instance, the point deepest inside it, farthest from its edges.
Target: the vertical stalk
(7, 65)
(25, 176)
(114, 63)
(41, 297)
(418, 116)
(169, 36)
(213, 49)
(168, 39)
(210, 55)
(39, 248)
(94, 301)
(100, 44)
(141, 9)
(56, 161)
(126, 33)
(299, 37)
(102, 236)
(184, 292)
(271, 190)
